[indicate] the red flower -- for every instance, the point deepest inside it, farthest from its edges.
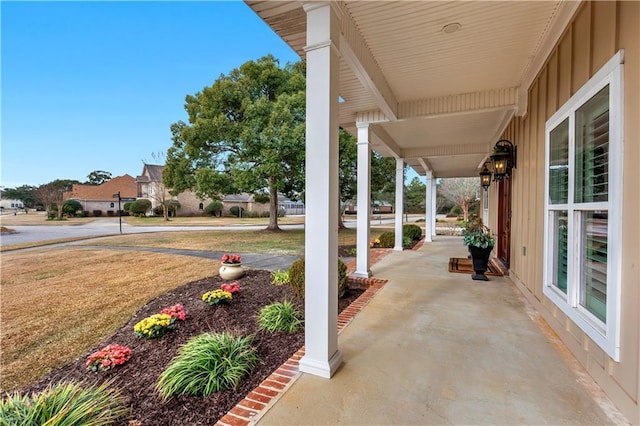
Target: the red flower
(108, 357)
(234, 287)
(231, 258)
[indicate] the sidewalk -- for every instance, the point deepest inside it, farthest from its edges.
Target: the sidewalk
(433, 347)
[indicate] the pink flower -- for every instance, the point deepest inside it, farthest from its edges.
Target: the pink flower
(175, 311)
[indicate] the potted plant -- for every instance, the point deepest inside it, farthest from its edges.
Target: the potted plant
(231, 268)
(480, 242)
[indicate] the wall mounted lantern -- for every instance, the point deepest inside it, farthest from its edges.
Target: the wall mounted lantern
(485, 177)
(503, 159)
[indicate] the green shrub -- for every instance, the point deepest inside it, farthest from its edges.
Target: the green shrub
(97, 213)
(387, 239)
(140, 207)
(214, 208)
(64, 404)
(279, 277)
(280, 316)
(407, 242)
(206, 364)
(296, 278)
(71, 207)
(236, 211)
(127, 206)
(414, 232)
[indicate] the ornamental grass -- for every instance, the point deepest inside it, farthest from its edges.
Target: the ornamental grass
(280, 316)
(208, 363)
(65, 404)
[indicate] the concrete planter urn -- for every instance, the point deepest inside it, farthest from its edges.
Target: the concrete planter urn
(231, 271)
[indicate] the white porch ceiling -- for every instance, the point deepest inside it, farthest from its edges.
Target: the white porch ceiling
(438, 100)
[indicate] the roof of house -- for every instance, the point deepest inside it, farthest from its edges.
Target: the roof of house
(151, 173)
(125, 184)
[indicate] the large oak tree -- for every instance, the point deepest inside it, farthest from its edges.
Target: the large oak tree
(246, 132)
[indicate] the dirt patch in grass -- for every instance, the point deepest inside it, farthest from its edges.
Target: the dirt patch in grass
(137, 378)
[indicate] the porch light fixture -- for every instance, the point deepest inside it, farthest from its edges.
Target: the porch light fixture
(503, 159)
(485, 177)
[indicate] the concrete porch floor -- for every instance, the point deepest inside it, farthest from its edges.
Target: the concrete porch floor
(434, 347)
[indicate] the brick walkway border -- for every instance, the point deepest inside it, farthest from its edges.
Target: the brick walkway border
(258, 401)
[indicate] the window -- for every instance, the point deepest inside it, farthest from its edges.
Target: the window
(112, 205)
(201, 206)
(583, 207)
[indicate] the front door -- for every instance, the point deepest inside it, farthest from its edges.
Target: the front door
(504, 221)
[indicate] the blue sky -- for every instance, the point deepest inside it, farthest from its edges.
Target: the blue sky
(95, 85)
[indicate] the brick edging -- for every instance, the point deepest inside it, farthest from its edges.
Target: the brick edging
(257, 402)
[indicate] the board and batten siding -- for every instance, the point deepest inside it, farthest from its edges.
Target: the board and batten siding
(596, 33)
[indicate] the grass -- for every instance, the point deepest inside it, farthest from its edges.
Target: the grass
(280, 316)
(64, 404)
(56, 304)
(206, 364)
(209, 221)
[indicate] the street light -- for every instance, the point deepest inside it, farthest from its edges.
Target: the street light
(117, 195)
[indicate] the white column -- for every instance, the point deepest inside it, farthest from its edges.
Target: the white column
(430, 210)
(434, 187)
(399, 202)
(322, 357)
(364, 202)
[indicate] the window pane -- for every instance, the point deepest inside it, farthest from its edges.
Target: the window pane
(592, 149)
(559, 164)
(593, 285)
(560, 258)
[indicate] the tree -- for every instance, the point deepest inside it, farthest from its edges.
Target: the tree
(462, 192)
(383, 181)
(348, 163)
(24, 193)
(53, 193)
(71, 207)
(416, 193)
(245, 133)
(98, 177)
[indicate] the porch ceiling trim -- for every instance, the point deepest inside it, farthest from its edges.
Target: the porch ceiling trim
(388, 141)
(446, 150)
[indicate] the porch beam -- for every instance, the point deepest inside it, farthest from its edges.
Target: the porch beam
(357, 55)
(322, 357)
(387, 140)
(364, 202)
(399, 202)
(425, 165)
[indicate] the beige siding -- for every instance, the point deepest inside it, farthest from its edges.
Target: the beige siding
(598, 30)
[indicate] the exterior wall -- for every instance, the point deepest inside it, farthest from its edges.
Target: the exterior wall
(190, 204)
(247, 206)
(104, 206)
(596, 33)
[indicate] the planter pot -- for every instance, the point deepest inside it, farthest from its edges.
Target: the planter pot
(480, 260)
(231, 271)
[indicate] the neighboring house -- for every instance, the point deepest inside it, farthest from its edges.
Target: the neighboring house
(150, 186)
(435, 85)
(12, 205)
(101, 198)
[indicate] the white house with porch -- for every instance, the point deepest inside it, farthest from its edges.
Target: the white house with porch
(436, 85)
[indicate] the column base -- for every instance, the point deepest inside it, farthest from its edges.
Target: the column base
(398, 248)
(319, 368)
(360, 274)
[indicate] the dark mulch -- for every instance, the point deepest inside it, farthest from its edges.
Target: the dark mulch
(136, 379)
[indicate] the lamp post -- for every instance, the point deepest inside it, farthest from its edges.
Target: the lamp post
(117, 195)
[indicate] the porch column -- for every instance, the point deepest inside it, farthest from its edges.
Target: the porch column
(364, 202)
(399, 202)
(434, 188)
(322, 357)
(430, 210)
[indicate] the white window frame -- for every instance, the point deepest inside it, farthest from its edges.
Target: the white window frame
(604, 334)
